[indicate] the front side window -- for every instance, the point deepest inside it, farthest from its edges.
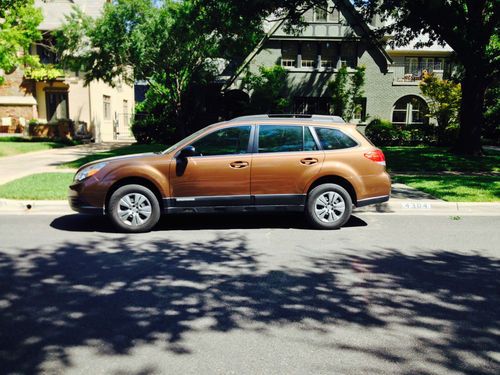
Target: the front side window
(334, 139)
(228, 141)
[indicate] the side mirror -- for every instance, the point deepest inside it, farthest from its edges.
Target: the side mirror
(187, 152)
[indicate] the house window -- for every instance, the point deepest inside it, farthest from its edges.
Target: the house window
(57, 105)
(320, 14)
(107, 107)
(311, 105)
(410, 110)
(309, 54)
(329, 55)
(348, 55)
(289, 52)
(360, 112)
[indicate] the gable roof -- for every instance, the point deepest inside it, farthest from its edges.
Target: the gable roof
(347, 8)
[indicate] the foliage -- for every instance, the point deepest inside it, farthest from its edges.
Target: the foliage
(432, 159)
(44, 72)
(383, 133)
(455, 188)
(444, 99)
(18, 30)
(347, 92)
(15, 146)
(173, 45)
(150, 128)
(268, 90)
(339, 93)
(45, 186)
(469, 27)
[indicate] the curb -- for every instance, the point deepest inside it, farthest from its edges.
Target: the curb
(422, 207)
(394, 206)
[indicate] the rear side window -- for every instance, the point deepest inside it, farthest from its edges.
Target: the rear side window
(226, 141)
(273, 138)
(334, 139)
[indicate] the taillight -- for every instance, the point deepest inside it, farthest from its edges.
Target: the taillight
(377, 156)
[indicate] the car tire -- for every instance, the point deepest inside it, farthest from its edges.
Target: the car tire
(329, 206)
(133, 209)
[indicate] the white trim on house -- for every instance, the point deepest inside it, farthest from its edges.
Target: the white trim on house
(17, 100)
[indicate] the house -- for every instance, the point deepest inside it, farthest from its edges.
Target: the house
(105, 110)
(337, 37)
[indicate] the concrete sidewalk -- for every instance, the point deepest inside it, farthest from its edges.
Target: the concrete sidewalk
(17, 166)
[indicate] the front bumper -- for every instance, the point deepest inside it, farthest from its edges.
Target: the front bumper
(83, 197)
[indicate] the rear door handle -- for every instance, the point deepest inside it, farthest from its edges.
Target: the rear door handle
(239, 164)
(309, 161)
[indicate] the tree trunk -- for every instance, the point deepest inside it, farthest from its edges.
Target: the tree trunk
(180, 125)
(474, 87)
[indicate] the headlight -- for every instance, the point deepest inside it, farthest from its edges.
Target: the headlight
(89, 171)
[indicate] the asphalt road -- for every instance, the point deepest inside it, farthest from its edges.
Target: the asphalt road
(387, 294)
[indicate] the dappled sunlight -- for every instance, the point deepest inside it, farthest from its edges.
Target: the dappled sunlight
(116, 294)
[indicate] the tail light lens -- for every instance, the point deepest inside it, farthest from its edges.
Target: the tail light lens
(376, 156)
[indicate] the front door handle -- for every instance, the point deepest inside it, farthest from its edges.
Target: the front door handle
(239, 164)
(309, 161)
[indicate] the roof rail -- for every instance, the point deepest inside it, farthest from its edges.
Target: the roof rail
(299, 116)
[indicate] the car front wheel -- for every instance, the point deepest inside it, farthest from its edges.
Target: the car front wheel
(133, 208)
(329, 206)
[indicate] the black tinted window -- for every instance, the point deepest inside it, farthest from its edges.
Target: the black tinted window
(334, 139)
(274, 138)
(226, 141)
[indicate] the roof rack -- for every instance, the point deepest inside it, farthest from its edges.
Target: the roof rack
(299, 116)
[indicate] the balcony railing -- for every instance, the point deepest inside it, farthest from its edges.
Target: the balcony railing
(415, 72)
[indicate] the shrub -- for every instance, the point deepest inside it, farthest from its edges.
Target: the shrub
(152, 129)
(384, 133)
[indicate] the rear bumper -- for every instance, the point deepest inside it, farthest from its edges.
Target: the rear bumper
(374, 200)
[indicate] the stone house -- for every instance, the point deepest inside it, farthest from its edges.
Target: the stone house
(105, 110)
(337, 37)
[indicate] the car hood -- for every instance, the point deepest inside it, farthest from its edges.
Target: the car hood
(123, 158)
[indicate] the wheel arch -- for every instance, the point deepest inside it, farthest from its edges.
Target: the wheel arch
(134, 180)
(338, 180)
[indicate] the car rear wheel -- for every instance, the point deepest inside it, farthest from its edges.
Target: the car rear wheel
(329, 206)
(133, 208)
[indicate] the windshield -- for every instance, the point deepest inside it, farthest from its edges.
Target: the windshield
(187, 139)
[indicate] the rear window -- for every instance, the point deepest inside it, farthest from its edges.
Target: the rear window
(334, 139)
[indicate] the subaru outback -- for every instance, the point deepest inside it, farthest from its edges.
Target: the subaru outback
(318, 165)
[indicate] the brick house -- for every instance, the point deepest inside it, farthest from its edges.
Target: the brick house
(339, 37)
(105, 110)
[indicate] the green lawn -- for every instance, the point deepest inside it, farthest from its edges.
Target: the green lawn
(42, 186)
(428, 159)
(453, 188)
(9, 148)
(132, 149)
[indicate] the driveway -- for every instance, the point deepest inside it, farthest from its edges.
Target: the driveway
(387, 294)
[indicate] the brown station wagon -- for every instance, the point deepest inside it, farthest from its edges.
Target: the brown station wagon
(313, 164)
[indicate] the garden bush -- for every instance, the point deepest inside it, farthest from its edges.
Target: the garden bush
(385, 133)
(152, 129)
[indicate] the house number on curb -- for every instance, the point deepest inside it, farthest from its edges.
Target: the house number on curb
(416, 205)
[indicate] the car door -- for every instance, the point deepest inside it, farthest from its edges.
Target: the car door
(287, 158)
(218, 174)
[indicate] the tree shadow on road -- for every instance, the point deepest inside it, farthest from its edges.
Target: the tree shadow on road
(118, 293)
